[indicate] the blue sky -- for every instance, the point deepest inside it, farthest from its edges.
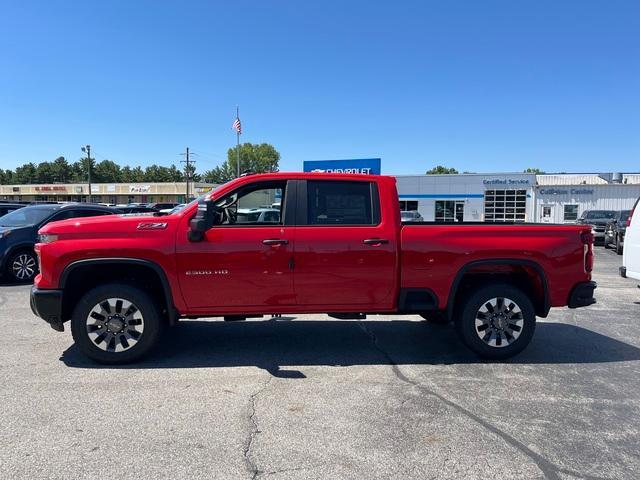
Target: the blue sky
(478, 85)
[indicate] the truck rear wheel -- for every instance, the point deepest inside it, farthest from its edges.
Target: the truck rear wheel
(116, 324)
(496, 321)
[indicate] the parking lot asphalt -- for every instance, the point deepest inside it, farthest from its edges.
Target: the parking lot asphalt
(316, 398)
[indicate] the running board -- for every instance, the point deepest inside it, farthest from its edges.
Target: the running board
(348, 316)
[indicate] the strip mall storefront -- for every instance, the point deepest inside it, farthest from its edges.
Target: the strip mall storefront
(117, 193)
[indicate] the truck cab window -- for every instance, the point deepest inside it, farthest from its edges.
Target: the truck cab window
(339, 203)
(257, 205)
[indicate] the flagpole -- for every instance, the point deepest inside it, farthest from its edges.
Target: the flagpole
(238, 141)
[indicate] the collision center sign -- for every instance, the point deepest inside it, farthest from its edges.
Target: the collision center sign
(368, 166)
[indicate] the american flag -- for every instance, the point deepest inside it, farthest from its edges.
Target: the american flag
(237, 126)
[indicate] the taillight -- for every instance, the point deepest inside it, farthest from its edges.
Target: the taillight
(587, 239)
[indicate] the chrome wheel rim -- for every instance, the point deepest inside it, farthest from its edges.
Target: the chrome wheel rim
(499, 322)
(24, 266)
(115, 325)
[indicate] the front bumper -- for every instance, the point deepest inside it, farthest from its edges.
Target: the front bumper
(47, 304)
(582, 295)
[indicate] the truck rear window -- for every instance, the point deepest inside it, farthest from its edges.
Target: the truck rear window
(339, 203)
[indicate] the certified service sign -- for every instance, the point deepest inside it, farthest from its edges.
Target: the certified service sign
(368, 166)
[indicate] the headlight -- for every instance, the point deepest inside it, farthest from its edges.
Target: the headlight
(6, 233)
(47, 238)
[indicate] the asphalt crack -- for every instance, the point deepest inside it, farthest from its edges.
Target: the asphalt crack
(549, 469)
(249, 461)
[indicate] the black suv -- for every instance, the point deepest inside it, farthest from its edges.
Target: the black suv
(598, 219)
(9, 207)
(615, 230)
(19, 232)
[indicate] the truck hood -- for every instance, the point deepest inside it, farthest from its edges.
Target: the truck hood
(108, 226)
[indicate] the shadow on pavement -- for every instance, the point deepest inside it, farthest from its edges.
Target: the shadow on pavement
(272, 344)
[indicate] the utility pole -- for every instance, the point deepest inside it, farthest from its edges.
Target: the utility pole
(188, 162)
(87, 150)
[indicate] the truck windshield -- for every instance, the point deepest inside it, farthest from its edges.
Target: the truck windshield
(600, 215)
(25, 216)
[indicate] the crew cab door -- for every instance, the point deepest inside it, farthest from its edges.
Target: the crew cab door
(345, 252)
(245, 262)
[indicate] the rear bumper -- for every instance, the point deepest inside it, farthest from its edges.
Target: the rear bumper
(582, 295)
(47, 304)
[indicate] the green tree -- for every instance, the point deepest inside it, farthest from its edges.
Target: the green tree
(61, 170)
(80, 170)
(25, 174)
(537, 171)
(106, 171)
(44, 173)
(175, 175)
(6, 177)
(257, 158)
(440, 170)
(137, 174)
(158, 173)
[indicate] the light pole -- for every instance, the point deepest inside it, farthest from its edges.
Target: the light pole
(87, 150)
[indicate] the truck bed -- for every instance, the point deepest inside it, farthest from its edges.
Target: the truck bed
(432, 251)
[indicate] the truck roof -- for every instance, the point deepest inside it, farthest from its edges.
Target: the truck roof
(317, 175)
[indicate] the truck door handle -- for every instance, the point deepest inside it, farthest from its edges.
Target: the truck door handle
(275, 241)
(375, 241)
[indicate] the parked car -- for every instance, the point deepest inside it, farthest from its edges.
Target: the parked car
(411, 216)
(257, 215)
(615, 229)
(162, 205)
(598, 219)
(10, 207)
(129, 209)
(171, 211)
(338, 248)
(18, 234)
(631, 254)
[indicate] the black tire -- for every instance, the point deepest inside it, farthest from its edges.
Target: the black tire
(149, 322)
(22, 266)
(437, 318)
(606, 243)
(471, 307)
(618, 246)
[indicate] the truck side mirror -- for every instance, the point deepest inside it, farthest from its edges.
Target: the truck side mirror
(207, 216)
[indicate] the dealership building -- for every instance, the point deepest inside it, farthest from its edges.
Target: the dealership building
(516, 197)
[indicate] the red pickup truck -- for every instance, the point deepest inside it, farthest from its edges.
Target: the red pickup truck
(304, 243)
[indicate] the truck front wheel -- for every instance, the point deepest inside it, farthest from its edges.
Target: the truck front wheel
(116, 324)
(496, 321)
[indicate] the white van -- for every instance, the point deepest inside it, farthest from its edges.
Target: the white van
(631, 254)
